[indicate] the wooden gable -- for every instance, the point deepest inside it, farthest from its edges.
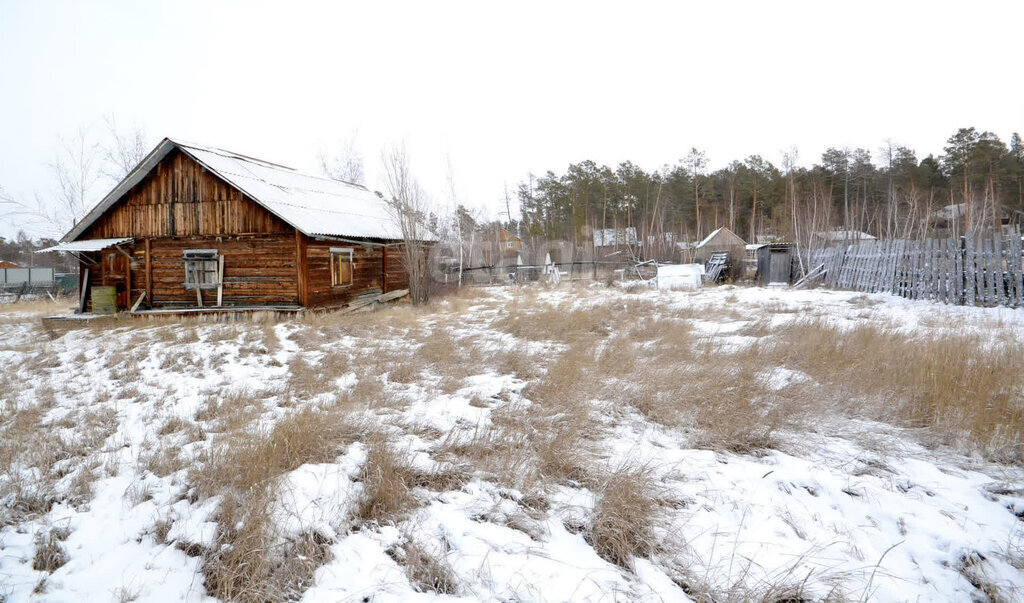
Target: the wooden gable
(725, 238)
(179, 197)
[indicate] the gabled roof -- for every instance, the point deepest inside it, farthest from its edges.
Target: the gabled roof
(716, 232)
(315, 205)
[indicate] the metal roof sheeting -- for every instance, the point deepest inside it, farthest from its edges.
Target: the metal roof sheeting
(315, 205)
(87, 245)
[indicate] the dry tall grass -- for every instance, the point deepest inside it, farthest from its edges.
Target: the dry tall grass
(622, 523)
(957, 385)
(387, 482)
(248, 561)
(427, 571)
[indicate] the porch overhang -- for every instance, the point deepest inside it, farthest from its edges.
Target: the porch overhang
(87, 245)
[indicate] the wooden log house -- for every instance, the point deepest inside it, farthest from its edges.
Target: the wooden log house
(197, 227)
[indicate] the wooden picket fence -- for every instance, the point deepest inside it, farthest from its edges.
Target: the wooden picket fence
(971, 270)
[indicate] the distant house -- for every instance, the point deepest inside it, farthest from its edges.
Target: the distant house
(842, 237)
(949, 220)
(500, 248)
(195, 226)
(4, 264)
(607, 240)
(721, 239)
(509, 241)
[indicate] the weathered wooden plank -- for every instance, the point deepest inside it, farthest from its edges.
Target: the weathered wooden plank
(991, 272)
(999, 263)
(881, 279)
(970, 276)
(945, 256)
(149, 270)
(138, 302)
(915, 276)
(931, 274)
(1016, 271)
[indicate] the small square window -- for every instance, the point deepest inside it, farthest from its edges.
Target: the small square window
(201, 269)
(341, 266)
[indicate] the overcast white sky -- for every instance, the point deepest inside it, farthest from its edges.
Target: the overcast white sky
(503, 90)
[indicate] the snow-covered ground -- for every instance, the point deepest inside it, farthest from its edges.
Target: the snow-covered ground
(107, 424)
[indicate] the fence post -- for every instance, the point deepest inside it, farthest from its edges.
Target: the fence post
(969, 278)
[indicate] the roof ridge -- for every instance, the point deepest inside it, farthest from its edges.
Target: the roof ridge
(264, 162)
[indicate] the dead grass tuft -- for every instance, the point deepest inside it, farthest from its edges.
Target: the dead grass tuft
(622, 525)
(50, 555)
(249, 563)
(387, 482)
(427, 571)
(245, 460)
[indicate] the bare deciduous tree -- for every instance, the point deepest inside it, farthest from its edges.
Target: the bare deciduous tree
(80, 165)
(406, 202)
(75, 172)
(345, 163)
(122, 151)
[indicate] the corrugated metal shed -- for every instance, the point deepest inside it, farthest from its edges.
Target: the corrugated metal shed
(315, 205)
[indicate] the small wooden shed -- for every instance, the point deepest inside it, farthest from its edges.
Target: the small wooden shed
(775, 263)
(199, 227)
(721, 239)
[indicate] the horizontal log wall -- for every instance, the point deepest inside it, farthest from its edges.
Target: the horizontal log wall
(366, 273)
(258, 270)
(180, 198)
(397, 276)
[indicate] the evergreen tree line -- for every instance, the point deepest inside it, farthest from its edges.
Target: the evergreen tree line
(889, 194)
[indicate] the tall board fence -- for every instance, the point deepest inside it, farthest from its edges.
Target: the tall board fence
(971, 270)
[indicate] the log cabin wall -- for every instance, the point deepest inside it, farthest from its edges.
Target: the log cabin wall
(259, 270)
(181, 198)
(397, 276)
(367, 273)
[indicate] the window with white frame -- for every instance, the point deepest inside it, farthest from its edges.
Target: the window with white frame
(201, 268)
(341, 266)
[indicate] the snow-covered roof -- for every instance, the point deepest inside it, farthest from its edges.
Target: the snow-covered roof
(87, 245)
(315, 205)
(715, 233)
(604, 237)
(845, 235)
